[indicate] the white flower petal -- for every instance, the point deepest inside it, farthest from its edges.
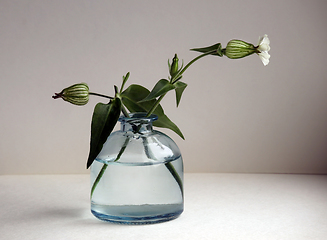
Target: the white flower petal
(264, 56)
(263, 45)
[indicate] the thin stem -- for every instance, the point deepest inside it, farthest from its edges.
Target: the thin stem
(124, 111)
(173, 80)
(95, 184)
(173, 172)
(168, 165)
(104, 167)
(100, 95)
(155, 105)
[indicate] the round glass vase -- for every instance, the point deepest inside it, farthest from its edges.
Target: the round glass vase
(137, 178)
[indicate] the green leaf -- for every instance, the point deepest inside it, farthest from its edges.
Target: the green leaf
(164, 122)
(125, 78)
(216, 47)
(104, 119)
(131, 98)
(162, 86)
(180, 87)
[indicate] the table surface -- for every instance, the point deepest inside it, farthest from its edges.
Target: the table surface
(217, 206)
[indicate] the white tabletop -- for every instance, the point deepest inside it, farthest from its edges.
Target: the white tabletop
(217, 206)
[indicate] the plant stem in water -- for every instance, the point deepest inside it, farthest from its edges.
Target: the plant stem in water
(105, 165)
(95, 184)
(173, 172)
(169, 166)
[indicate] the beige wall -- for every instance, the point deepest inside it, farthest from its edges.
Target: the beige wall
(236, 115)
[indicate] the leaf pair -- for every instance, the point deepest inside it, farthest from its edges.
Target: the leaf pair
(132, 98)
(104, 119)
(163, 86)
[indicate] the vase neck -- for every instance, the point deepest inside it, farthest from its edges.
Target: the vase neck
(137, 123)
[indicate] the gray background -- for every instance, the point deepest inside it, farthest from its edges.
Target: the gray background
(236, 115)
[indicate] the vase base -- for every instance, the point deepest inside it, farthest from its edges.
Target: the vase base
(137, 214)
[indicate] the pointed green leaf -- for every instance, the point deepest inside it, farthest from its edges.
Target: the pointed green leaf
(180, 87)
(125, 78)
(104, 119)
(131, 98)
(164, 122)
(162, 86)
(216, 47)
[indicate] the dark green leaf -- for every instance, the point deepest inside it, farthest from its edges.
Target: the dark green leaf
(131, 98)
(162, 86)
(180, 87)
(164, 122)
(215, 47)
(104, 119)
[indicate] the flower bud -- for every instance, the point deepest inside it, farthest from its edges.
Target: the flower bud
(77, 94)
(174, 67)
(239, 49)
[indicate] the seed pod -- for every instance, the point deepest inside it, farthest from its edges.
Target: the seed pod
(239, 49)
(77, 94)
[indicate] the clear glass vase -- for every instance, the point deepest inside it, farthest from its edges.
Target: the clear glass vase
(137, 178)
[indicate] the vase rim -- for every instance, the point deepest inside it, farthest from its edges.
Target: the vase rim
(137, 116)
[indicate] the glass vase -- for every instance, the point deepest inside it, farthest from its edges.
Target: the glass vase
(137, 178)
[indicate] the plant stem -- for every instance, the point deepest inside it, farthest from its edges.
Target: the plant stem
(173, 172)
(105, 165)
(173, 80)
(95, 184)
(169, 165)
(100, 95)
(155, 105)
(123, 109)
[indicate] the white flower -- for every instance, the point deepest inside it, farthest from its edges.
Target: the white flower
(263, 48)
(264, 56)
(264, 44)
